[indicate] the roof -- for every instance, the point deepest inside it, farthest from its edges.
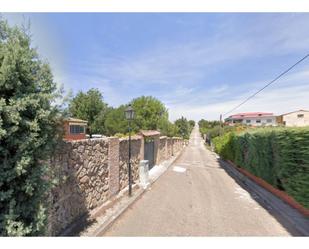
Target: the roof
(149, 133)
(250, 115)
(76, 120)
(294, 112)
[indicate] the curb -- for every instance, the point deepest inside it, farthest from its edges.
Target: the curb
(289, 214)
(109, 222)
(279, 193)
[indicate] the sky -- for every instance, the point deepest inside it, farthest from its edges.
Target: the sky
(200, 65)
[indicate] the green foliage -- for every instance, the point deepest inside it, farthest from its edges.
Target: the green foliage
(224, 145)
(150, 113)
(191, 124)
(115, 121)
(218, 130)
(280, 156)
(29, 130)
(99, 126)
(183, 127)
(169, 129)
(90, 107)
(206, 125)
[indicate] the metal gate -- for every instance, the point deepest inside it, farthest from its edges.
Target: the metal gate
(149, 152)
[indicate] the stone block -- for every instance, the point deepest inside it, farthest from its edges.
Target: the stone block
(144, 173)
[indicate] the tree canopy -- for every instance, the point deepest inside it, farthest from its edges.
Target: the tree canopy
(90, 107)
(115, 121)
(205, 125)
(149, 113)
(29, 123)
(183, 126)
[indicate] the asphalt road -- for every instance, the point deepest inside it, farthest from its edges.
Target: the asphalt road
(196, 197)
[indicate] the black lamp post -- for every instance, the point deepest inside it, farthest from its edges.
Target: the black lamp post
(129, 114)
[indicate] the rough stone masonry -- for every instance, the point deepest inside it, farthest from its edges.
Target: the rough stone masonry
(93, 170)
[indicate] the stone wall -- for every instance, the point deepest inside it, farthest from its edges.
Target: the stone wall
(162, 149)
(169, 147)
(169, 142)
(178, 144)
(93, 170)
(82, 168)
(124, 158)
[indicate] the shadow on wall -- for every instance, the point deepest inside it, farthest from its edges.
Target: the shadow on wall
(91, 171)
(82, 169)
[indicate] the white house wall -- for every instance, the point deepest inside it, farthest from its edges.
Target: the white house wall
(263, 121)
(291, 119)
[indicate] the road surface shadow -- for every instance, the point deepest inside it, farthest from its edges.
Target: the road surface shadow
(287, 225)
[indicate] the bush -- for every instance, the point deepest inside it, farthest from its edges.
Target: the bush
(224, 145)
(218, 130)
(28, 122)
(205, 125)
(280, 156)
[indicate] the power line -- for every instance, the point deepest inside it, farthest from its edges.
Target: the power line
(268, 84)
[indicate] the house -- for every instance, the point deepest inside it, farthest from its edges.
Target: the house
(297, 118)
(74, 129)
(252, 118)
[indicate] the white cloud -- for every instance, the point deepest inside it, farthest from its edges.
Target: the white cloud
(180, 73)
(289, 94)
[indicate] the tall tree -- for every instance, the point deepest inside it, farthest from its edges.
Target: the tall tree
(183, 127)
(89, 106)
(115, 121)
(191, 124)
(28, 133)
(149, 113)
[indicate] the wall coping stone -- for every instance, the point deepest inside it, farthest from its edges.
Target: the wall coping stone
(133, 138)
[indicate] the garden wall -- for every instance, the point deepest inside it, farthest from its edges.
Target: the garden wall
(162, 155)
(124, 158)
(90, 171)
(82, 169)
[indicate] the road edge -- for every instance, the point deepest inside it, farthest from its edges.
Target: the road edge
(289, 214)
(110, 221)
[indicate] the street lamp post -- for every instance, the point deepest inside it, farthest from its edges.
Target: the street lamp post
(129, 114)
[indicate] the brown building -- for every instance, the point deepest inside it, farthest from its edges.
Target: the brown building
(75, 129)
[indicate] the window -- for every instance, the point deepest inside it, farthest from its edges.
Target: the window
(268, 120)
(300, 115)
(77, 129)
(258, 121)
(248, 121)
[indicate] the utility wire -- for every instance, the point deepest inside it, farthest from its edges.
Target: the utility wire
(268, 84)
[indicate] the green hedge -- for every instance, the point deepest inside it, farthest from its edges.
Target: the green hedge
(280, 156)
(224, 145)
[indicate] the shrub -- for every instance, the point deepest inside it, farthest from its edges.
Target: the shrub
(280, 156)
(224, 145)
(28, 133)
